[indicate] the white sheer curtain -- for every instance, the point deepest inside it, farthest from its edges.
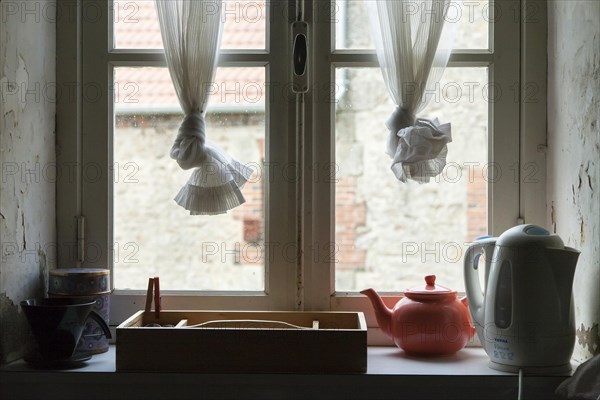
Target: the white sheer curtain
(407, 37)
(191, 35)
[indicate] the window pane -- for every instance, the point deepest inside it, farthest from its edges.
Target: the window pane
(472, 19)
(152, 234)
(136, 25)
(352, 25)
(244, 24)
(389, 234)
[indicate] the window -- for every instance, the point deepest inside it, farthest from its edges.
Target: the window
(324, 216)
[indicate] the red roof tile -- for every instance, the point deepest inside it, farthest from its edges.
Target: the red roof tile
(136, 27)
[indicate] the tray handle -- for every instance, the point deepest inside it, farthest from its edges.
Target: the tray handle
(251, 323)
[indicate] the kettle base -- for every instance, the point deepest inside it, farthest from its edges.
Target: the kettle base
(561, 370)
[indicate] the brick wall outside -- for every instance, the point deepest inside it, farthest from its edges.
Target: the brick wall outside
(252, 250)
(477, 205)
(350, 215)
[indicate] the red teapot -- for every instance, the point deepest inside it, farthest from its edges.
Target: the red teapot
(428, 321)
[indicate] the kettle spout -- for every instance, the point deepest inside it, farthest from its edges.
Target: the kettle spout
(382, 312)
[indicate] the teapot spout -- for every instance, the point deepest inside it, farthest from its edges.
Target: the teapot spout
(471, 329)
(382, 313)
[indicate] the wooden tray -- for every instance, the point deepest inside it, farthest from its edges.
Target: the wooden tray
(244, 342)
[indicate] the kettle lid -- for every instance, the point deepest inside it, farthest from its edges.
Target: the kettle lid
(429, 291)
(529, 234)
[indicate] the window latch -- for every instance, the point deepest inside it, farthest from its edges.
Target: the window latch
(300, 57)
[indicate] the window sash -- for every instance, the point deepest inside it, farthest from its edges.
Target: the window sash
(94, 196)
(318, 194)
(509, 197)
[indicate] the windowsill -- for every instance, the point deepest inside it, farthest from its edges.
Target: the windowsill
(390, 373)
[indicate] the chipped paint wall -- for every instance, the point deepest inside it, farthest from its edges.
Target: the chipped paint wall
(573, 164)
(27, 156)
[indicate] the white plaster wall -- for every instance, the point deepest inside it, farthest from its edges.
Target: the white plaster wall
(573, 164)
(27, 143)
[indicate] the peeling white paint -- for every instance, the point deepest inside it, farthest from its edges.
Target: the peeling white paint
(574, 147)
(22, 82)
(27, 138)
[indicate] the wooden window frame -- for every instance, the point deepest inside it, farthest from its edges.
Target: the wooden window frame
(86, 59)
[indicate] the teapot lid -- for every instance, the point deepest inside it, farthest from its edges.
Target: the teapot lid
(430, 291)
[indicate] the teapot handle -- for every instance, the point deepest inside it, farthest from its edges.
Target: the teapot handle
(483, 247)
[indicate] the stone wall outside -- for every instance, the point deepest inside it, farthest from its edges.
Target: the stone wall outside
(388, 234)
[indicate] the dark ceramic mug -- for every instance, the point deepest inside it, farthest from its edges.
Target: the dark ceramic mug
(57, 324)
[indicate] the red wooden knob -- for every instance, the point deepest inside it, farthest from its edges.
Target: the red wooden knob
(430, 280)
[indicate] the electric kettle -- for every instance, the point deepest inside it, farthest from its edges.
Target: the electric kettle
(524, 317)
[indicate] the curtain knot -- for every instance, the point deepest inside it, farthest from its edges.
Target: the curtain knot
(193, 125)
(191, 34)
(421, 150)
(399, 119)
(189, 146)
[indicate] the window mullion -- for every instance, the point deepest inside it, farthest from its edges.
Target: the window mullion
(533, 89)
(68, 138)
(504, 119)
(96, 141)
(318, 163)
(280, 201)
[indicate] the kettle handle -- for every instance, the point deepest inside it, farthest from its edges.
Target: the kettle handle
(483, 247)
